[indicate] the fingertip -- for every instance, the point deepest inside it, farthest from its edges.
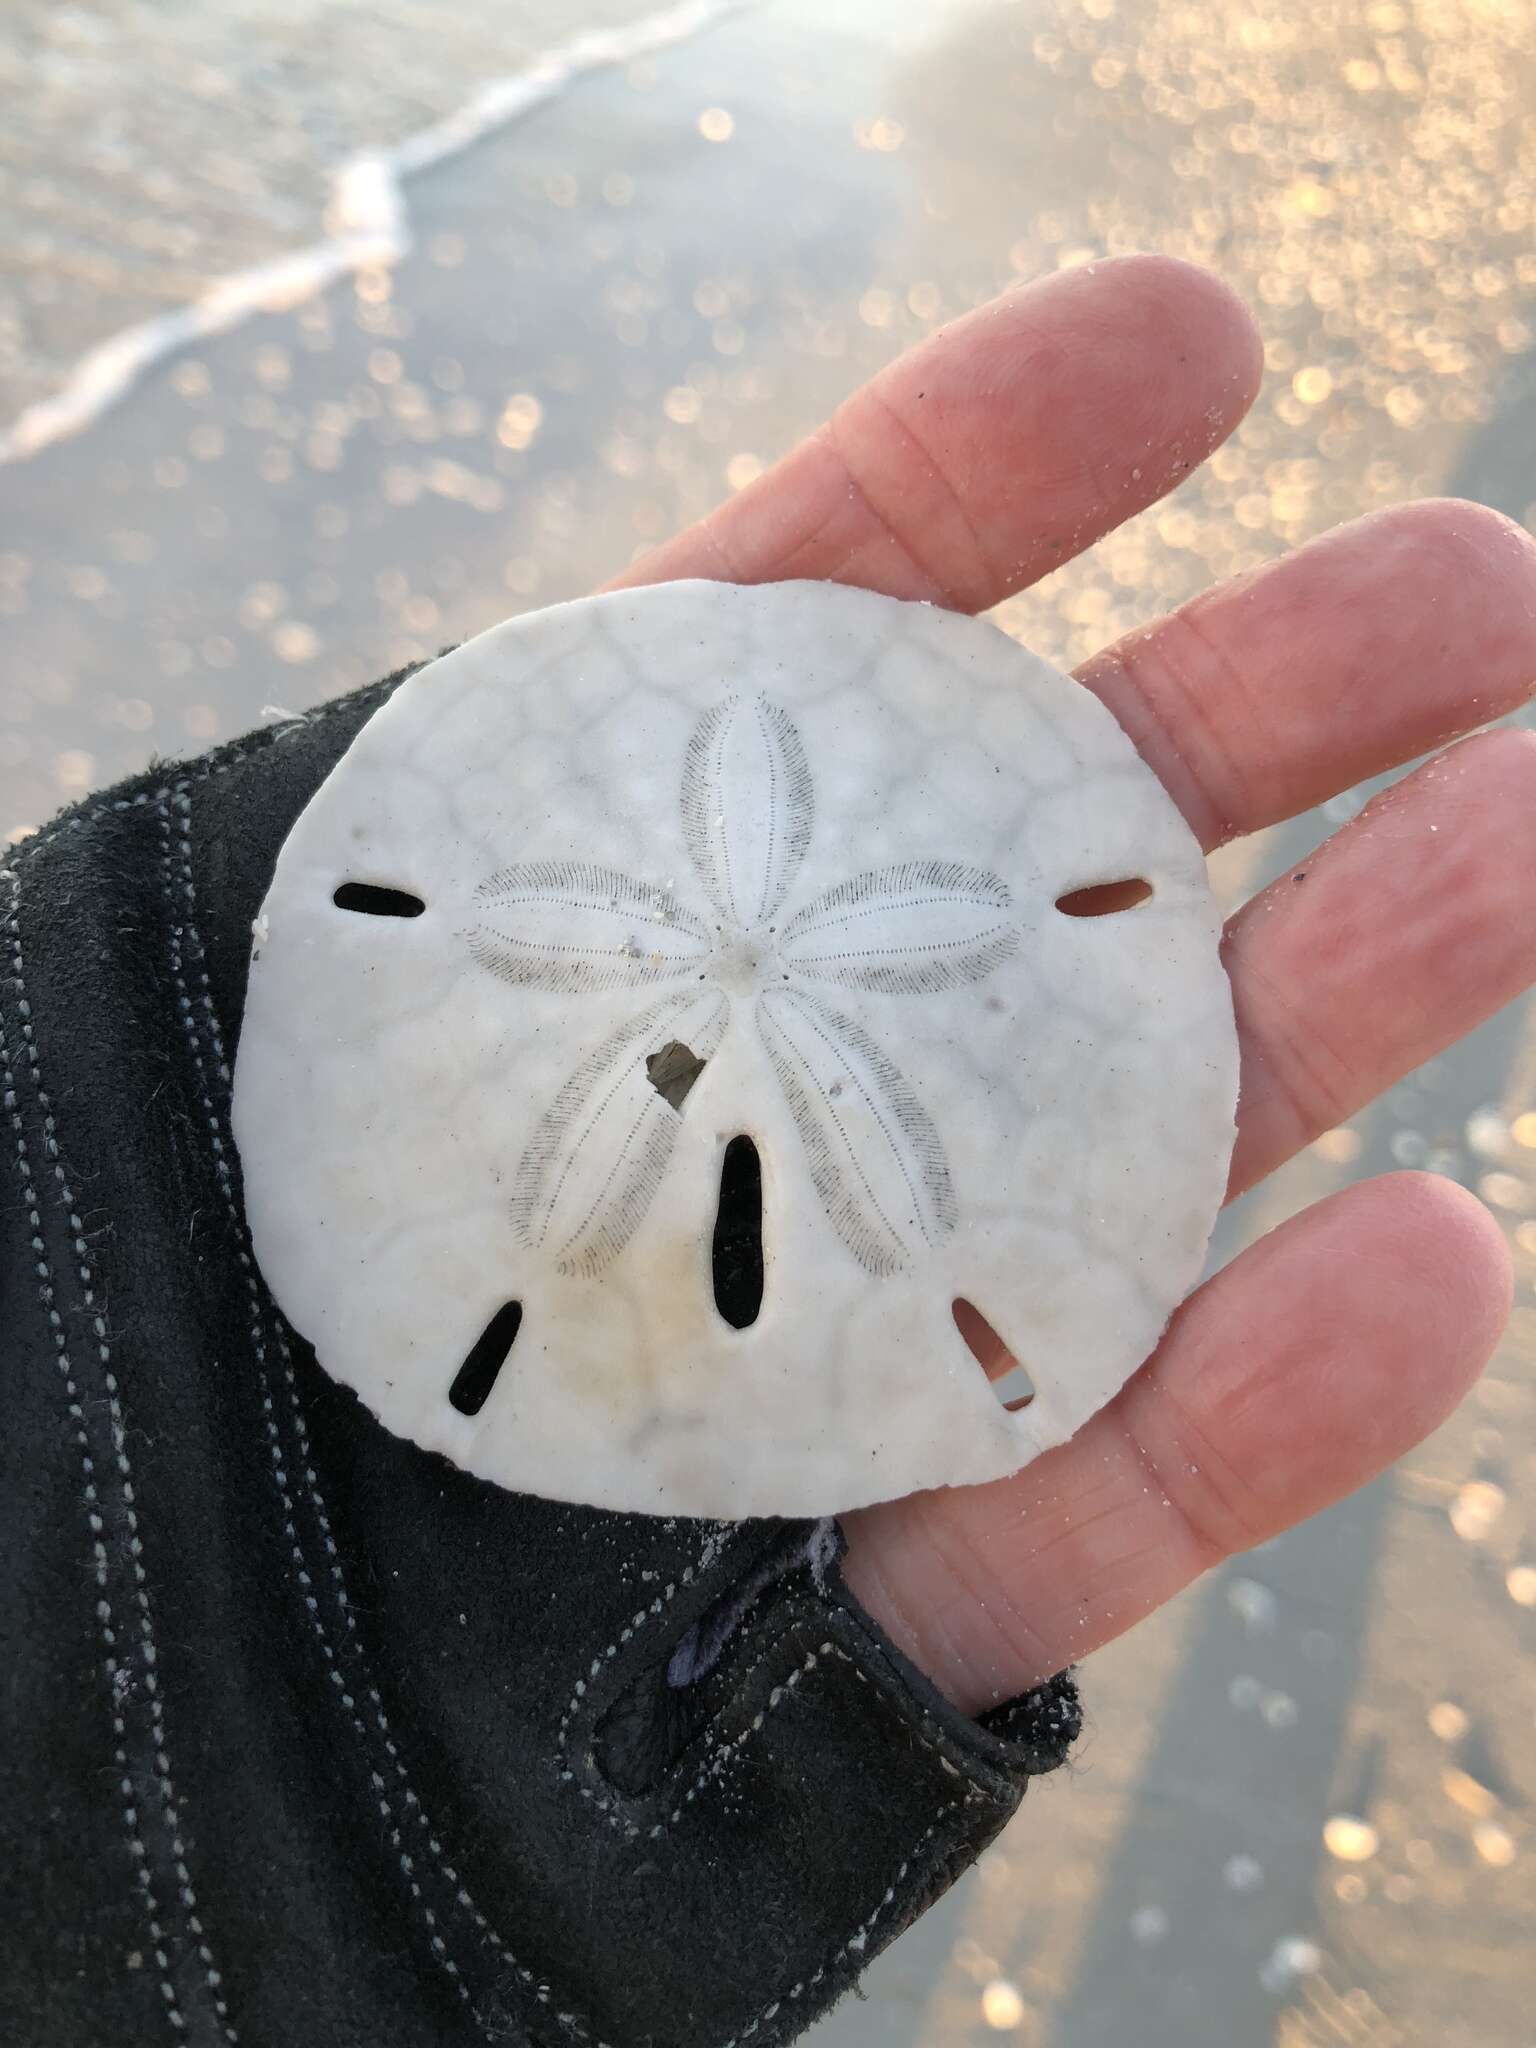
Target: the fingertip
(1194, 306)
(1449, 1239)
(1051, 414)
(1463, 551)
(1175, 316)
(1167, 318)
(1334, 1344)
(1480, 538)
(1513, 747)
(1432, 1271)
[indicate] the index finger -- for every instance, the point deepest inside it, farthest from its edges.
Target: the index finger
(1011, 441)
(1019, 435)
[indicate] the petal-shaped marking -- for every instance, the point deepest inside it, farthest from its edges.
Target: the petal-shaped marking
(596, 1157)
(876, 1160)
(912, 928)
(572, 925)
(748, 805)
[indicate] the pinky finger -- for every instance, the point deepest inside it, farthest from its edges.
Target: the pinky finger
(1294, 1376)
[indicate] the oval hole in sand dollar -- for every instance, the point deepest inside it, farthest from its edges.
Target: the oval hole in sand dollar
(736, 1253)
(1010, 1381)
(1106, 899)
(373, 899)
(473, 1381)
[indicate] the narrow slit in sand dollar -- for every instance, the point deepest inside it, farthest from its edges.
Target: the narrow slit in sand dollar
(374, 899)
(482, 1365)
(1011, 1384)
(1106, 899)
(736, 1253)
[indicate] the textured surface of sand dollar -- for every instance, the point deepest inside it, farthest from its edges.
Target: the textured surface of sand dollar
(617, 883)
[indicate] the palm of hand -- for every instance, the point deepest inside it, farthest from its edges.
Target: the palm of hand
(1335, 1343)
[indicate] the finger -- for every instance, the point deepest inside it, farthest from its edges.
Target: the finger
(1291, 1378)
(1006, 444)
(1403, 931)
(1371, 645)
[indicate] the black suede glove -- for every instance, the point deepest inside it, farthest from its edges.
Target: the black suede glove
(309, 1739)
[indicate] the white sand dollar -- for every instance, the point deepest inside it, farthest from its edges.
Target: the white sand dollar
(619, 883)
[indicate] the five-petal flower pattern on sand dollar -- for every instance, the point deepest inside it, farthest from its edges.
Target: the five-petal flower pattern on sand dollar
(599, 1150)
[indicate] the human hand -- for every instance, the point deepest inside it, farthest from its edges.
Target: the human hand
(966, 471)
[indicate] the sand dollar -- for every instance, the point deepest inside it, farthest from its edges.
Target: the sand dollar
(654, 1031)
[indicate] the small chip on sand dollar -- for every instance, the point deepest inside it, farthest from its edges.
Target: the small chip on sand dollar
(684, 1016)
